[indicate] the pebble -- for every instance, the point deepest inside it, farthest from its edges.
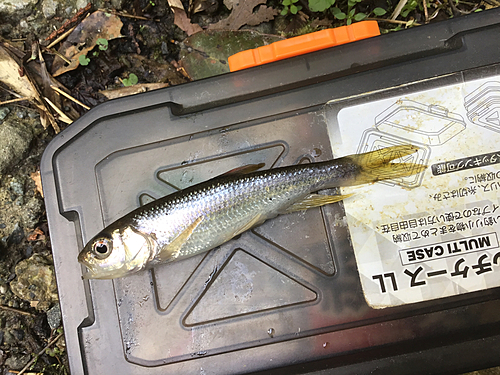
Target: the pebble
(54, 316)
(17, 187)
(3, 113)
(17, 361)
(21, 114)
(8, 338)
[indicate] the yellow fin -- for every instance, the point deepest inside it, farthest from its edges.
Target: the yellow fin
(256, 220)
(376, 165)
(245, 169)
(315, 200)
(171, 251)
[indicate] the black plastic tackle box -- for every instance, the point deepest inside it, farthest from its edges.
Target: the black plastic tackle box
(402, 278)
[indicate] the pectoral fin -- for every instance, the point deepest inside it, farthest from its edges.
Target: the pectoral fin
(315, 200)
(172, 250)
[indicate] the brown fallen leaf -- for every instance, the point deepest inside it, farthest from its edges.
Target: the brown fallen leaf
(37, 234)
(243, 14)
(35, 176)
(22, 84)
(132, 90)
(99, 25)
(10, 76)
(181, 19)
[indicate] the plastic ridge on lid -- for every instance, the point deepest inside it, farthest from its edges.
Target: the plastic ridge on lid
(303, 44)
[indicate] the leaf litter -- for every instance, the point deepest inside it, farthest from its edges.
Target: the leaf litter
(243, 14)
(99, 25)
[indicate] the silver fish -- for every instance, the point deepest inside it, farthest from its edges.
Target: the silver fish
(206, 215)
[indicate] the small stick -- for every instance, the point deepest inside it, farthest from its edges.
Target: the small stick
(55, 88)
(426, 12)
(54, 52)
(398, 9)
(125, 15)
(12, 309)
(13, 101)
(393, 21)
(49, 344)
(64, 118)
(61, 37)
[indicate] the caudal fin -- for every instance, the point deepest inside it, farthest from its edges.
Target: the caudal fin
(376, 165)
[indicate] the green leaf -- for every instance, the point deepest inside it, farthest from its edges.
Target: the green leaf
(338, 14)
(102, 43)
(293, 9)
(83, 60)
(131, 80)
(379, 11)
(404, 13)
(359, 16)
(287, 2)
(349, 21)
(320, 5)
(351, 13)
(284, 12)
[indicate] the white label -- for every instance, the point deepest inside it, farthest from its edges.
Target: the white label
(434, 234)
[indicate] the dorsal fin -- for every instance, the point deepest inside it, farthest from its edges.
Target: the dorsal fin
(245, 169)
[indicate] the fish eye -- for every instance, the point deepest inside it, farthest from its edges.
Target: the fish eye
(102, 248)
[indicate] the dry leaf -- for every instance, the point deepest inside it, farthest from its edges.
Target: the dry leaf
(132, 90)
(22, 84)
(35, 176)
(181, 19)
(99, 25)
(11, 77)
(36, 235)
(209, 6)
(231, 3)
(243, 14)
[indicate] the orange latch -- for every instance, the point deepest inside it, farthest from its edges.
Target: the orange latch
(303, 44)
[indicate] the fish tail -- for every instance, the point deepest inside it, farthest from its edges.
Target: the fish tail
(377, 165)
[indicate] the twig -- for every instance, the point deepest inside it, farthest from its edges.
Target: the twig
(128, 15)
(398, 9)
(12, 309)
(64, 35)
(426, 12)
(13, 101)
(54, 52)
(69, 96)
(49, 344)
(406, 23)
(62, 115)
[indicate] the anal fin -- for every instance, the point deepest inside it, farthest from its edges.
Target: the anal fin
(315, 200)
(256, 220)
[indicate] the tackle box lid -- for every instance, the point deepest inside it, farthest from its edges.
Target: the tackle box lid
(403, 278)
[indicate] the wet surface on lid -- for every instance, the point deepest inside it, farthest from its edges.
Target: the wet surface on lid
(267, 280)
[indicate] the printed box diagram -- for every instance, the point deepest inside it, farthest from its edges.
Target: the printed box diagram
(483, 106)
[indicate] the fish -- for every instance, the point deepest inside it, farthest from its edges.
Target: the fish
(206, 215)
